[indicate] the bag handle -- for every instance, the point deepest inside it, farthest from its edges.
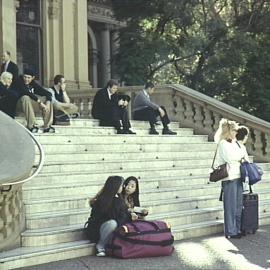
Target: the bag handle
(133, 224)
(162, 243)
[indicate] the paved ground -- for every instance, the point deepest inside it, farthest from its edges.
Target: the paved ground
(216, 252)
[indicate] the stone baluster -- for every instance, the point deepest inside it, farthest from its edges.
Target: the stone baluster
(217, 117)
(189, 114)
(258, 143)
(198, 118)
(267, 142)
(1, 218)
(179, 109)
(208, 122)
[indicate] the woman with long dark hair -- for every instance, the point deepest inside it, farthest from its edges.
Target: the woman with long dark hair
(130, 195)
(109, 211)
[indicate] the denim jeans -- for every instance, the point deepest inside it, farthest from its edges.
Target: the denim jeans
(106, 230)
(233, 204)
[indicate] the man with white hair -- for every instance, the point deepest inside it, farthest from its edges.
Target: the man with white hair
(8, 97)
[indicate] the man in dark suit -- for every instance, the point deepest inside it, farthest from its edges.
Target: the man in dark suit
(9, 66)
(110, 109)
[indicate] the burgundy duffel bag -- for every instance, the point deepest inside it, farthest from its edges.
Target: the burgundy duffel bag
(140, 239)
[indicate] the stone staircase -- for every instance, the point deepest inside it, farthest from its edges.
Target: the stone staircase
(173, 173)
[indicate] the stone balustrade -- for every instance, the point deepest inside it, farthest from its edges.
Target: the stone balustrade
(12, 220)
(195, 110)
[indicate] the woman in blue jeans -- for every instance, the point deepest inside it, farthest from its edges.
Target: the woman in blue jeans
(109, 211)
(229, 152)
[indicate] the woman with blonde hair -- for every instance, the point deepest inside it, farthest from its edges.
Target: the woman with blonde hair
(8, 97)
(229, 152)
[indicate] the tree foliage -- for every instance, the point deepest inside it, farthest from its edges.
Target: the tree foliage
(218, 47)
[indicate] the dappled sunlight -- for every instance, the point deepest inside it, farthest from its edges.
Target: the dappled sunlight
(195, 254)
(215, 252)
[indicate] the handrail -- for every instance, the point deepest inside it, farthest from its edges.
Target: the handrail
(40, 163)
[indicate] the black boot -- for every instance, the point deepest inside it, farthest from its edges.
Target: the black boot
(167, 131)
(153, 131)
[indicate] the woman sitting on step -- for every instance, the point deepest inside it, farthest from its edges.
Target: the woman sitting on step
(109, 211)
(131, 196)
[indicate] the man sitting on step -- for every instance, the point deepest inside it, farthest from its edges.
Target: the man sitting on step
(146, 110)
(63, 109)
(111, 109)
(29, 93)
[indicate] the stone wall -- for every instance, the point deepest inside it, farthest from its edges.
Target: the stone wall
(12, 217)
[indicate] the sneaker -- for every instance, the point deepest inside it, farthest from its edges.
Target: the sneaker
(49, 130)
(75, 115)
(34, 129)
(153, 131)
(101, 253)
(167, 131)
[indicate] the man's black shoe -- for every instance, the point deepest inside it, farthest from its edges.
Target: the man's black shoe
(121, 131)
(153, 131)
(168, 132)
(130, 132)
(237, 236)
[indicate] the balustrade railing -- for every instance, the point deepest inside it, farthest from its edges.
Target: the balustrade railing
(195, 110)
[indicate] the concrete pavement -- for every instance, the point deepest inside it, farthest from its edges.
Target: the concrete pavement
(251, 252)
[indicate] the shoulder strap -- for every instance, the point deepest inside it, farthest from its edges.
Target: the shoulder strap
(214, 157)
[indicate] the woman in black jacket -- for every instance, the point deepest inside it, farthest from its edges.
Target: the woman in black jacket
(109, 211)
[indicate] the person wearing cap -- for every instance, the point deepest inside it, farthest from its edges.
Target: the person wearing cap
(30, 92)
(146, 110)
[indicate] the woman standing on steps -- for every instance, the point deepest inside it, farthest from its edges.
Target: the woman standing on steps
(131, 197)
(229, 152)
(109, 211)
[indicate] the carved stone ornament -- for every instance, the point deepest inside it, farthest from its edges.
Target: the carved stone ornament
(54, 9)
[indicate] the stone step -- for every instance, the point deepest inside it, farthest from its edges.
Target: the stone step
(76, 200)
(27, 256)
(78, 216)
(63, 203)
(96, 130)
(60, 234)
(97, 156)
(123, 165)
(78, 123)
(91, 190)
(118, 139)
(135, 146)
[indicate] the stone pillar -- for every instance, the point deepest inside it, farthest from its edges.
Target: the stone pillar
(105, 56)
(8, 27)
(115, 47)
(81, 44)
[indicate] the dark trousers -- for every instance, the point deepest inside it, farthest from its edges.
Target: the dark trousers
(8, 105)
(118, 119)
(150, 114)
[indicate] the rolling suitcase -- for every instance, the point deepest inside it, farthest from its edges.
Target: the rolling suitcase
(250, 213)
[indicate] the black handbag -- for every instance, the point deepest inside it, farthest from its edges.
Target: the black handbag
(219, 172)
